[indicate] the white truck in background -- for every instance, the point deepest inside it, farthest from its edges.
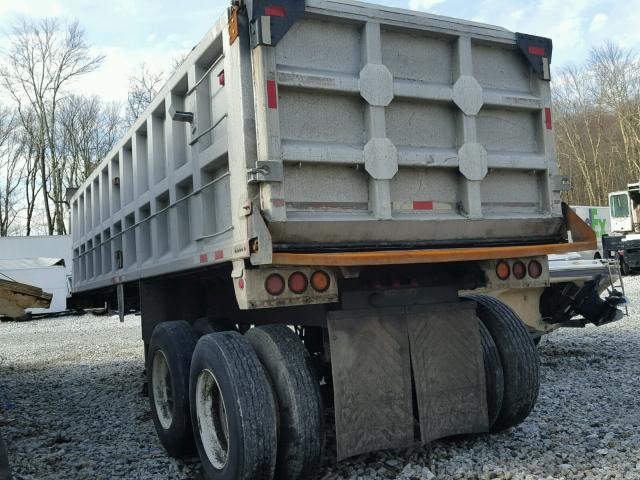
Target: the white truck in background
(623, 243)
(315, 206)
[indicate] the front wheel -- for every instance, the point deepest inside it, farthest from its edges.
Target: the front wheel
(233, 409)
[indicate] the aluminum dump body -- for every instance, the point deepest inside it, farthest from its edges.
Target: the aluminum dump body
(363, 127)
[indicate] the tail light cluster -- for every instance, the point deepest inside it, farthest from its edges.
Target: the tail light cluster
(297, 282)
(518, 270)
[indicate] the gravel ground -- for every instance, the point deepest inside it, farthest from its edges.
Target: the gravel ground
(70, 398)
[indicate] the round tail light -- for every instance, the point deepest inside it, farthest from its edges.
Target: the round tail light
(519, 270)
(298, 282)
(274, 284)
(320, 281)
(535, 269)
(503, 270)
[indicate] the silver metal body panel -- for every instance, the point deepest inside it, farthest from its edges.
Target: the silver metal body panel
(386, 125)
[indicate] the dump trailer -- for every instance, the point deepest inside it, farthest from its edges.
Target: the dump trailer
(296, 215)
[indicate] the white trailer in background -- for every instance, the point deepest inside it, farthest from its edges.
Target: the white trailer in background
(49, 274)
(41, 261)
(39, 246)
(348, 170)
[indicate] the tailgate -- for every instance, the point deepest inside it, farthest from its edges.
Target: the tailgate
(399, 127)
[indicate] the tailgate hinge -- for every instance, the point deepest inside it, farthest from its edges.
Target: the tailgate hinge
(266, 171)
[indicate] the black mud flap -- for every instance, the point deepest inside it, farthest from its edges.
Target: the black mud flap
(448, 369)
(373, 355)
(371, 380)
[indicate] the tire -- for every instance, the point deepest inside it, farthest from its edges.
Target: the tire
(168, 363)
(493, 374)
(233, 406)
(301, 429)
(5, 470)
(519, 357)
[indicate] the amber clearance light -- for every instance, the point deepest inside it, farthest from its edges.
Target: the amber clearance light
(503, 270)
(320, 281)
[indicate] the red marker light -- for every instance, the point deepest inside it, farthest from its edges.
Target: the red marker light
(519, 270)
(547, 118)
(298, 282)
(272, 94)
(533, 50)
(275, 11)
(535, 269)
(274, 284)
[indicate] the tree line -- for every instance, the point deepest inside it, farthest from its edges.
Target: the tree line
(50, 137)
(597, 123)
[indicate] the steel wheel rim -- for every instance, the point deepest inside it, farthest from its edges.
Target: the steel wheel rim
(162, 391)
(212, 419)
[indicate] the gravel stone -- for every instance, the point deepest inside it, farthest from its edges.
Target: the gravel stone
(71, 408)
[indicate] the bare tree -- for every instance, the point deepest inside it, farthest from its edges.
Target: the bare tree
(176, 62)
(144, 85)
(598, 123)
(34, 150)
(89, 128)
(11, 170)
(617, 71)
(42, 59)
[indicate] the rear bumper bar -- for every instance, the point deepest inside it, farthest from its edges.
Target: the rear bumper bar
(583, 239)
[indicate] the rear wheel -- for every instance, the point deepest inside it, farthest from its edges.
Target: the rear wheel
(301, 429)
(168, 362)
(493, 374)
(519, 358)
(233, 407)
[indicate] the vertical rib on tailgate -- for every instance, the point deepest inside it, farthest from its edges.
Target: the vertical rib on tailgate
(406, 126)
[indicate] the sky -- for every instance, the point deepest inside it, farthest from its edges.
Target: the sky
(128, 32)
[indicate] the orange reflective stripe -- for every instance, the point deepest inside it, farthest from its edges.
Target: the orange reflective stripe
(400, 257)
(584, 239)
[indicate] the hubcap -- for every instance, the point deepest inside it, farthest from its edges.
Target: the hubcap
(162, 393)
(212, 419)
